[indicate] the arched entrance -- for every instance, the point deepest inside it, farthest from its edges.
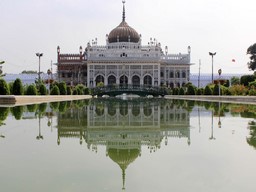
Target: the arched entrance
(111, 80)
(123, 80)
(99, 79)
(147, 80)
(135, 80)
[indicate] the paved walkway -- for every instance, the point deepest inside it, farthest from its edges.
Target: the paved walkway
(224, 99)
(10, 100)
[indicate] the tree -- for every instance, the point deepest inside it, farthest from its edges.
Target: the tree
(42, 89)
(31, 90)
(63, 88)
(246, 79)
(69, 90)
(207, 90)
(252, 52)
(191, 90)
(216, 90)
(55, 90)
(17, 88)
(181, 91)
(4, 88)
(235, 80)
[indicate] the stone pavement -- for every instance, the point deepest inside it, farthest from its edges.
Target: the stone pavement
(6, 100)
(211, 98)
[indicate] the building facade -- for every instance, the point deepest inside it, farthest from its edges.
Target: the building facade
(124, 60)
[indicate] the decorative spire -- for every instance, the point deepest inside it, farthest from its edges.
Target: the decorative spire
(123, 10)
(123, 175)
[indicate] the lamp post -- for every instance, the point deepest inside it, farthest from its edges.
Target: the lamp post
(212, 54)
(219, 71)
(49, 73)
(39, 55)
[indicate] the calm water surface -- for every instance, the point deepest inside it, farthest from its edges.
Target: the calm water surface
(134, 145)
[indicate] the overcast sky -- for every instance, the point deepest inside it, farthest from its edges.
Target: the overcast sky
(224, 26)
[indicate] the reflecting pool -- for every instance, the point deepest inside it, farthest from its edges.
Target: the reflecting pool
(108, 144)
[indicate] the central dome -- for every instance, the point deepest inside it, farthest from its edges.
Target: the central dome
(123, 32)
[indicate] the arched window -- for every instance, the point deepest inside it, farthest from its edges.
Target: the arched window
(99, 79)
(111, 80)
(123, 80)
(178, 74)
(135, 80)
(147, 80)
(183, 74)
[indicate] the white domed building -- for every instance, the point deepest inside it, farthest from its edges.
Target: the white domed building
(124, 61)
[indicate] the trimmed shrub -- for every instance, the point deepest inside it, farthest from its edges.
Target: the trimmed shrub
(86, 91)
(63, 88)
(17, 88)
(31, 90)
(69, 90)
(181, 91)
(216, 90)
(42, 89)
(100, 84)
(75, 92)
(10, 87)
(80, 89)
(175, 91)
(55, 90)
(191, 90)
(207, 90)
(53, 84)
(4, 88)
(200, 91)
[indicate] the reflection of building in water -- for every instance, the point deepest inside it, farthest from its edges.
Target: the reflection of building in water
(124, 126)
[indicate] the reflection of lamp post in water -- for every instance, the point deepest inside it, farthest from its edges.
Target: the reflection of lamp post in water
(219, 122)
(212, 137)
(39, 136)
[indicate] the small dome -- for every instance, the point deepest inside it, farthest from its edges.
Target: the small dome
(123, 33)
